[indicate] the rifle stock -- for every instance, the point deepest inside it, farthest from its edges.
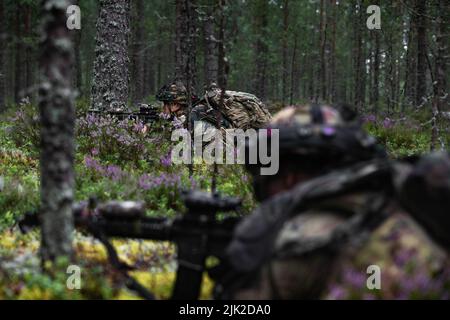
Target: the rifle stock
(197, 233)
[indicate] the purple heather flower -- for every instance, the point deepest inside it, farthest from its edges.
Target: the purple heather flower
(402, 257)
(355, 278)
(368, 296)
(369, 118)
(337, 293)
(114, 172)
(388, 123)
(164, 116)
(328, 131)
(166, 160)
(177, 123)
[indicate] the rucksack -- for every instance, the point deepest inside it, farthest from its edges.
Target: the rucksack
(243, 110)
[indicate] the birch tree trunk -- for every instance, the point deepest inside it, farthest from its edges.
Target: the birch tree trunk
(57, 116)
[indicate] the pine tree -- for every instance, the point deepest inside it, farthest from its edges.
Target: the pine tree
(110, 84)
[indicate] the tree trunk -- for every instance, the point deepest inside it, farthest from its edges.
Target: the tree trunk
(261, 49)
(421, 85)
(110, 85)
(18, 70)
(294, 72)
(411, 65)
(185, 41)
(28, 50)
(321, 80)
(332, 69)
(2, 57)
(210, 50)
(57, 131)
(376, 73)
(149, 73)
(138, 49)
(442, 56)
(77, 75)
(78, 79)
(285, 51)
(359, 58)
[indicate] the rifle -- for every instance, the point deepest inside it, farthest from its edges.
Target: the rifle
(198, 234)
(146, 113)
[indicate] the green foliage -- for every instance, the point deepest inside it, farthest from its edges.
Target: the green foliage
(25, 131)
(401, 140)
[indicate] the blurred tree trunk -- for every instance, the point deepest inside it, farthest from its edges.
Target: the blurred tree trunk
(285, 51)
(159, 58)
(260, 48)
(332, 69)
(442, 55)
(110, 84)
(390, 74)
(294, 72)
(321, 75)
(28, 49)
(359, 59)
(411, 64)
(2, 57)
(18, 70)
(376, 72)
(439, 106)
(421, 85)
(77, 70)
(185, 36)
(138, 49)
(78, 79)
(149, 73)
(57, 131)
(210, 67)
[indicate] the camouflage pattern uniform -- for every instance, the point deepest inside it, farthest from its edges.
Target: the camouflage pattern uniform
(177, 93)
(423, 189)
(291, 263)
(305, 275)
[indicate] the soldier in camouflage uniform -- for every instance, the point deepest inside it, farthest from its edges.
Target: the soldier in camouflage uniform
(273, 254)
(175, 99)
(216, 109)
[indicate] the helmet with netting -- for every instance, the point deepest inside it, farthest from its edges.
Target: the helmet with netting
(174, 93)
(318, 138)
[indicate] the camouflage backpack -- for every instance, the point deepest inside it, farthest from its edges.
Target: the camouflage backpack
(242, 109)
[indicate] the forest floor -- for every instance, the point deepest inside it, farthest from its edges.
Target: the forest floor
(121, 160)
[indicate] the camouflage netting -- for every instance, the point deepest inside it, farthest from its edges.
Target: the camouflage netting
(243, 110)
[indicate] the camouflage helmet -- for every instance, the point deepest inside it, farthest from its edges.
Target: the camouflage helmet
(320, 137)
(174, 92)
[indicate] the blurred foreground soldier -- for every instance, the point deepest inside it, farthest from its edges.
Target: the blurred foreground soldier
(239, 109)
(424, 190)
(281, 250)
